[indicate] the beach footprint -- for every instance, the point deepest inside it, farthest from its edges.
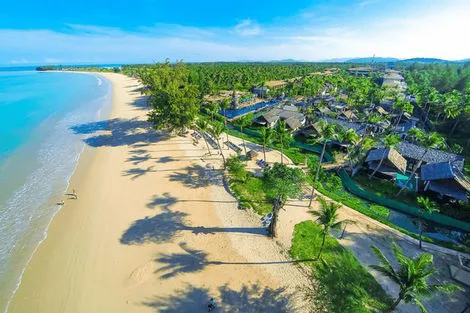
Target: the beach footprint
(141, 273)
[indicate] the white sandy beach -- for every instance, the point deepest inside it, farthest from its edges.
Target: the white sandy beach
(152, 231)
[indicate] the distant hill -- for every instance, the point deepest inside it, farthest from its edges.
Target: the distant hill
(372, 59)
(425, 60)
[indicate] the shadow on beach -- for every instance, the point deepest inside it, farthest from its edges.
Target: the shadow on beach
(167, 225)
(249, 299)
(192, 261)
(118, 132)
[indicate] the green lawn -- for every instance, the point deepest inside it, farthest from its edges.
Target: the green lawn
(347, 285)
(251, 194)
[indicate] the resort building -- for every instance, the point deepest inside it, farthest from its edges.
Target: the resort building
(392, 163)
(445, 179)
(260, 91)
(361, 71)
(289, 113)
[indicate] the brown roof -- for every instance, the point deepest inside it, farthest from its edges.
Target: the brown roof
(391, 155)
(275, 83)
(349, 114)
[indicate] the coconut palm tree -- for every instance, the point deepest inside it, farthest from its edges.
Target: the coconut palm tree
(404, 107)
(283, 136)
(411, 277)
(430, 141)
(327, 217)
(390, 141)
(224, 105)
(326, 132)
(216, 130)
(266, 137)
(242, 122)
(203, 127)
(351, 138)
(425, 206)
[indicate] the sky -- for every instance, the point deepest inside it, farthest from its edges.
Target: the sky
(36, 32)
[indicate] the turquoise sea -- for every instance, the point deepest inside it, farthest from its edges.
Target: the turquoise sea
(38, 154)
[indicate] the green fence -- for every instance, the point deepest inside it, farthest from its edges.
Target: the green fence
(353, 188)
(437, 218)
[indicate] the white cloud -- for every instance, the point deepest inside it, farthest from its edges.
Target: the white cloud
(248, 28)
(434, 33)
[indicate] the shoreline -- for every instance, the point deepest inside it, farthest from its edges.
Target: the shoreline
(145, 232)
(54, 198)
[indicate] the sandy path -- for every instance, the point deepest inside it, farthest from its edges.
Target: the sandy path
(146, 233)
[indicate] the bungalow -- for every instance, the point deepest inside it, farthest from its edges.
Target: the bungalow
(260, 91)
(323, 111)
(413, 153)
(445, 179)
(348, 115)
(392, 163)
(289, 113)
(361, 71)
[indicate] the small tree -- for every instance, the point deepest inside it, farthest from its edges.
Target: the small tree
(425, 206)
(281, 182)
(203, 127)
(236, 168)
(326, 132)
(283, 136)
(242, 122)
(266, 137)
(224, 105)
(352, 139)
(411, 277)
(216, 130)
(327, 217)
(390, 141)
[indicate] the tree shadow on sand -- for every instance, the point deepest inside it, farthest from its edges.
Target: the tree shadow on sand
(119, 132)
(166, 200)
(249, 299)
(192, 261)
(197, 176)
(165, 226)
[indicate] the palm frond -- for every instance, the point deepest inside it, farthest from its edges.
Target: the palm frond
(385, 264)
(420, 306)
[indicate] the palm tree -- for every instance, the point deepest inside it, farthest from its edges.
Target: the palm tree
(429, 141)
(216, 130)
(242, 122)
(425, 206)
(390, 141)
(224, 105)
(326, 132)
(411, 277)
(327, 217)
(352, 139)
(403, 106)
(283, 136)
(203, 127)
(266, 137)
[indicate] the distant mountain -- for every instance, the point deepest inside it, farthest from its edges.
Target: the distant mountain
(372, 59)
(426, 60)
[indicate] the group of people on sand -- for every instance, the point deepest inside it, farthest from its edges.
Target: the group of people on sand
(72, 195)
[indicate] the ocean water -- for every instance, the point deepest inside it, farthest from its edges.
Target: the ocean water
(38, 154)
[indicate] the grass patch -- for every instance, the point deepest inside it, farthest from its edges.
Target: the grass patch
(346, 285)
(251, 194)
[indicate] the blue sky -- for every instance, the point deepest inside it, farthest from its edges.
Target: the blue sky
(85, 31)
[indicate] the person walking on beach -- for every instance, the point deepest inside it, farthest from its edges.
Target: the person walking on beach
(74, 194)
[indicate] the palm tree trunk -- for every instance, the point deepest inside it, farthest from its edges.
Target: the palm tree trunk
(399, 118)
(349, 160)
(413, 173)
(322, 245)
(276, 208)
(454, 127)
(207, 145)
(282, 151)
(394, 304)
(316, 174)
(379, 165)
(420, 225)
(221, 152)
(243, 140)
